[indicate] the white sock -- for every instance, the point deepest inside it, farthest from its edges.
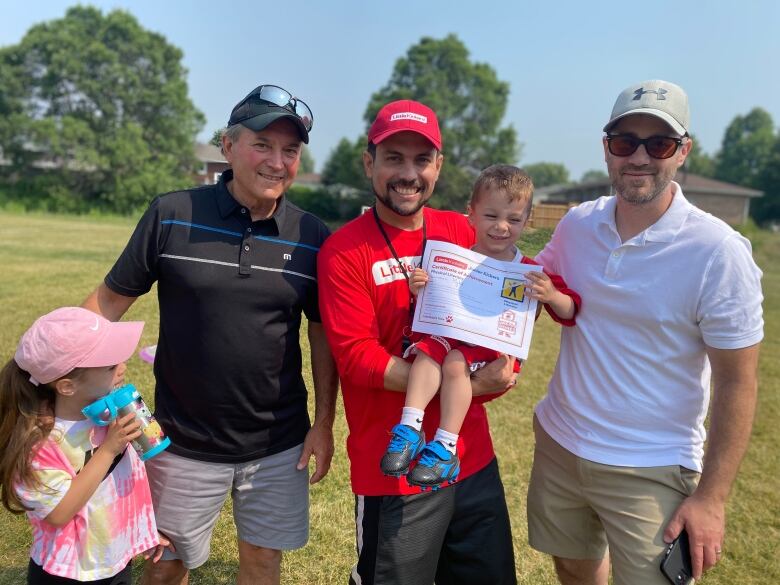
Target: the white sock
(449, 440)
(412, 417)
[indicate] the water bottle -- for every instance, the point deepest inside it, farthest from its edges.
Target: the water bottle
(122, 401)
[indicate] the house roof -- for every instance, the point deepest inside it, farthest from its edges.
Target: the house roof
(693, 184)
(208, 153)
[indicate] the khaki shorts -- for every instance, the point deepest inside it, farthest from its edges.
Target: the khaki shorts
(578, 508)
(270, 502)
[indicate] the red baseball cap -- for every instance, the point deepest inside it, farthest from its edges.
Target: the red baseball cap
(402, 116)
(72, 337)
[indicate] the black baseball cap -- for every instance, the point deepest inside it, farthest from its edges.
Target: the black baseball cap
(256, 113)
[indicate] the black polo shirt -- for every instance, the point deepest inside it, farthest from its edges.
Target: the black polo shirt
(231, 292)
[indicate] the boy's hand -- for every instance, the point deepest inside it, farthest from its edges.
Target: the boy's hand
(540, 286)
(155, 553)
(417, 280)
(120, 432)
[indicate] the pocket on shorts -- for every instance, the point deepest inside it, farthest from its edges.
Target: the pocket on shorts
(688, 479)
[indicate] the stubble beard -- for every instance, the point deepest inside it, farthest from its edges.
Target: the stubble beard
(637, 195)
(388, 202)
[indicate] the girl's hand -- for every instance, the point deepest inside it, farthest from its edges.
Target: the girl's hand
(155, 553)
(120, 432)
(540, 287)
(417, 280)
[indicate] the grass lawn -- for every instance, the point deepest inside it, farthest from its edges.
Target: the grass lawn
(50, 261)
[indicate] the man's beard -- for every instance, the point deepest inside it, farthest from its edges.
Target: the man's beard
(388, 202)
(637, 195)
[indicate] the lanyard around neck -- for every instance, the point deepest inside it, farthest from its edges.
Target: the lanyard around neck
(390, 245)
(406, 331)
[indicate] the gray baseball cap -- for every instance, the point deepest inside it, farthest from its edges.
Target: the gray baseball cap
(655, 97)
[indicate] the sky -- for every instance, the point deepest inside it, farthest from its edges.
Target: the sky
(565, 61)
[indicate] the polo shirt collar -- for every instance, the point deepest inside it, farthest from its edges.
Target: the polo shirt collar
(228, 205)
(669, 224)
(663, 230)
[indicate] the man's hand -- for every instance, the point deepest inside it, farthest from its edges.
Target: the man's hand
(704, 520)
(318, 442)
(496, 377)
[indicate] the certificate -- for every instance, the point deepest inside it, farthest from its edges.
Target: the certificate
(475, 299)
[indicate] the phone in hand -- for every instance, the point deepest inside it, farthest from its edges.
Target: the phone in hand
(676, 564)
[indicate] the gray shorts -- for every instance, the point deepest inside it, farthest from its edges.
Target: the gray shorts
(270, 502)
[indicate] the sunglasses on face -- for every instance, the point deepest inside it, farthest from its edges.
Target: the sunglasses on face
(656, 146)
(273, 94)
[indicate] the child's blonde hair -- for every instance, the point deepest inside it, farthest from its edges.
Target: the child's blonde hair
(511, 180)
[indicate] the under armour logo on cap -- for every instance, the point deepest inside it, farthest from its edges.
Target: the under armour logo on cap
(670, 104)
(658, 92)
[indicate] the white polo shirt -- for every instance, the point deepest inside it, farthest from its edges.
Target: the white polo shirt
(632, 382)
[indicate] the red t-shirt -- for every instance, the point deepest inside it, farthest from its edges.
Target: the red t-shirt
(364, 303)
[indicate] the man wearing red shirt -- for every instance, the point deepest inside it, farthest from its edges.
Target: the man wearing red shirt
(459, 534)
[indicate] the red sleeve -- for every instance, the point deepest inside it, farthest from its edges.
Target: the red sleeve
(560, 285)
(349, 317)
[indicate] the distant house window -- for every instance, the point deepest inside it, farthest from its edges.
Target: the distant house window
(204, 170)
(215, 177)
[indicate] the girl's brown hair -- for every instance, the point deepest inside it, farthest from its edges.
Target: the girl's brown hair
(26, 419)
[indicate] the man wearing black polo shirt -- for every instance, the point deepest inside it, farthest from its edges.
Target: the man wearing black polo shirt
(235, 266)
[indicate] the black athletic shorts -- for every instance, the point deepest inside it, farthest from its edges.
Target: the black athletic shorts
(458, 535)
(37, 576)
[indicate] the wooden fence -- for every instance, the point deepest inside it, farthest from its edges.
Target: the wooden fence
(545, 215)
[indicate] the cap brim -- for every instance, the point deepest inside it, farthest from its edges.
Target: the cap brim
(262, 121)
(117, 346)
(673, 124)
(388, 133)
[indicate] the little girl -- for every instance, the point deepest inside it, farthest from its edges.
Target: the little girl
(84, 490)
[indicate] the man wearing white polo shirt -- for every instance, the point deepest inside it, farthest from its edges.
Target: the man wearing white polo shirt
(671, 307)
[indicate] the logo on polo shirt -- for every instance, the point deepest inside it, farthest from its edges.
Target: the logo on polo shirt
(409, 116)
(387, 271)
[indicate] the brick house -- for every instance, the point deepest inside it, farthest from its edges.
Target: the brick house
(212, 164)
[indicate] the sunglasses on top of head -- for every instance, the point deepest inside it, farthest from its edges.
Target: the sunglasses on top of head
(273, 94)
(656, 146)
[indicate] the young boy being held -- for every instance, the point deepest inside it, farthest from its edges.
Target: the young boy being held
(499, 208)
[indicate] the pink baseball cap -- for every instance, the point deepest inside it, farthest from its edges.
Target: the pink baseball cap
(405, 115)
(72, 337)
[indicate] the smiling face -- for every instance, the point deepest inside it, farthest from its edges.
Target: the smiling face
(264, 165)
(403, 173)
(498, 221)
(639, 178)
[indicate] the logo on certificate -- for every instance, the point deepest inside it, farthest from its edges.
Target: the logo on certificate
(513, 289)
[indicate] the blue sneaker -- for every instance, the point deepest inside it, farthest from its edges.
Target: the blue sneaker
(435, 467)
(406, 445)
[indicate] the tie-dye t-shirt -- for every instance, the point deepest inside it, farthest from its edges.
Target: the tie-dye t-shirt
(116, 524)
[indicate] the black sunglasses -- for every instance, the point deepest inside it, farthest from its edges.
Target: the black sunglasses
(273, 94)
(656, 146)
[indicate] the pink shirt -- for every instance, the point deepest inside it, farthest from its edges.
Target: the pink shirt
(116, 524)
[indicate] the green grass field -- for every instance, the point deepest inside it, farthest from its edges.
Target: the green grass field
(50, 261)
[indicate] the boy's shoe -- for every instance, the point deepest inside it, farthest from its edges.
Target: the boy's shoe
(406, 445)
(435, 467)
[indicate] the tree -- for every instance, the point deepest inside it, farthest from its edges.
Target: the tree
(94, 112)
(593, 175)
(699, 162)
(307, 161)
(746, 148)
(547, 173)
(345, 164)
(767, 208)
(470, 102)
